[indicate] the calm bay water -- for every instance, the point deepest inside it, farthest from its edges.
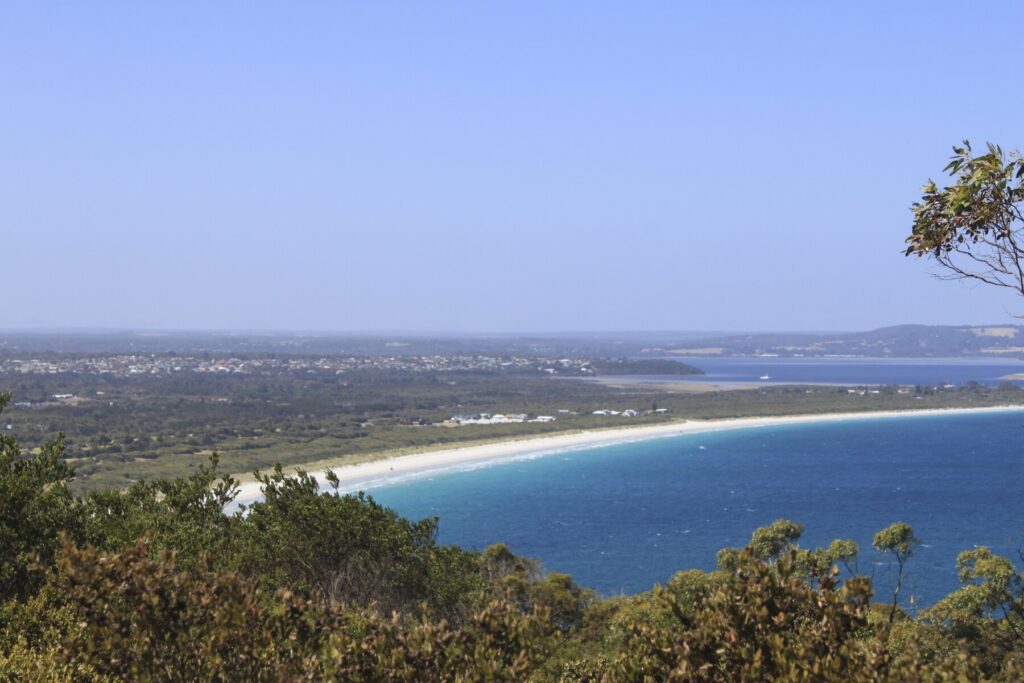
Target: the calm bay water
(923, 371)
(621, 518)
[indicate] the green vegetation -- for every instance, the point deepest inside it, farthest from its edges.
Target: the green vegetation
(159, 583)
(974, 228)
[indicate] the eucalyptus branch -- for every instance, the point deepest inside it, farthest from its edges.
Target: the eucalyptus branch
(974, 227)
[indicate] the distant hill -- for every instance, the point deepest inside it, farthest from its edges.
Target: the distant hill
(900, 341)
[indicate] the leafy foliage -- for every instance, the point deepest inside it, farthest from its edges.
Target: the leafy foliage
(186, 514)
(136, 615)
(898, 541)
(35, 504)
(342, 549)
(974, 228)
(523, 582)
(765, 622)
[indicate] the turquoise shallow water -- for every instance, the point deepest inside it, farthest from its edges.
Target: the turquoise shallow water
(622, 518)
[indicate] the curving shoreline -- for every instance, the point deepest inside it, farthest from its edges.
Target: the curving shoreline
(376, 472)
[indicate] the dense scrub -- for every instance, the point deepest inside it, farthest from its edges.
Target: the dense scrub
(159, 583)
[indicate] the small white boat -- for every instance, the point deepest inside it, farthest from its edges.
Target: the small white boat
(765, 377)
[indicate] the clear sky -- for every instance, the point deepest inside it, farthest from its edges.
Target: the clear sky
(489, 167)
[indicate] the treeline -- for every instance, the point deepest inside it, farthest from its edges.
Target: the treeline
(160, 583)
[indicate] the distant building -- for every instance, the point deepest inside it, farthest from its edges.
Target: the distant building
(488, 419)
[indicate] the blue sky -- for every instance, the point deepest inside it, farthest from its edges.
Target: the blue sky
(486, 167)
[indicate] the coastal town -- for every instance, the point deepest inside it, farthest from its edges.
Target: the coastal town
(128, 365)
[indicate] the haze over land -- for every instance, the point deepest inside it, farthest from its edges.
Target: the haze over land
(901, 341)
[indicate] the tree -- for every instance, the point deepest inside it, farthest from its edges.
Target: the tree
(345, 549)
(35, 506)
(992, 588)
(974, 228)
(820, 561)
(523, 582)
(767, 543)
(898, 541)
(185, 513)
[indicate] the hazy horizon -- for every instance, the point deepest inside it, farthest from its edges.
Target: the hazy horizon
(570, 167)
(468, 333)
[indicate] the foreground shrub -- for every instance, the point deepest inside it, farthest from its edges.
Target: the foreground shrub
(135, 615)
(766, 622)
(35, 505)
(349, 549)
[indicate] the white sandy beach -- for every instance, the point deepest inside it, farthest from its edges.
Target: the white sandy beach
(379, 471)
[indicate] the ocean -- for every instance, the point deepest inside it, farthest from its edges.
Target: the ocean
(621, 518)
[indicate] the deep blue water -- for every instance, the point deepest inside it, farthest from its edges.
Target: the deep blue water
(926, 372)
(621, 518)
